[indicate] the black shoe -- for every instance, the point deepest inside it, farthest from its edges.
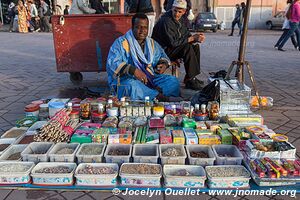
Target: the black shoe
(199, 81)
(193, 84)
(280, 49)
(275, 47)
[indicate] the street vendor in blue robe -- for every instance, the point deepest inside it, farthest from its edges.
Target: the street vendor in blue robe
(136, 63)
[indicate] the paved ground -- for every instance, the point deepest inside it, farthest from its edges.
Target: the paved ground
(28, 73)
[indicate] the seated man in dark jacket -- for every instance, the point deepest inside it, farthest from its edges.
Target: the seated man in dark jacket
(171, 33)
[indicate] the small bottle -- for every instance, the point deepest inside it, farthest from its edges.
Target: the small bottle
(147, 101)
(109, 103)
(174, 109)
(123, 102)
(197, 108)
(69, 106)
(100, 108)
(203, 108)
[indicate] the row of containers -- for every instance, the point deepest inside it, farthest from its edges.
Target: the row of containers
(202, 155)
(127, 175)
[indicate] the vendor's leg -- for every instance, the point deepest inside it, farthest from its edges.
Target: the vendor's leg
(135, 89)
(168, 84)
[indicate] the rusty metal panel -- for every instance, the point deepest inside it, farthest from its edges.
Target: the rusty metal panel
(82, 42)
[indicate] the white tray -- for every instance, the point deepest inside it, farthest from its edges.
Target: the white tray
(53, 179)
(109, 180)
(15, 177)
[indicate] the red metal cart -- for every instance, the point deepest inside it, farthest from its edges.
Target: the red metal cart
(82, 42)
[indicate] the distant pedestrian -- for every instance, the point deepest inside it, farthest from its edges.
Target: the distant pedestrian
(45, 13)
(286, 27)
(242, 17)
(22, 17)
(66, 10)
(98, 6)
(11, 15)
(34, 15)
(143, 6)
(237, 19)
(293, 14)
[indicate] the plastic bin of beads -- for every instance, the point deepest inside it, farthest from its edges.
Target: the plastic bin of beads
(227, 155)
(145, 153)
(97, 174)
(118, 153)
(5, 143)
(184, 176)
(90, 153)
(140, 175)
(63, 152)
(55, 173)
(37, 152)
(227, 176)
(172, 154)
(13, 153)
(14, 133)
(200, 155)
(13, 172)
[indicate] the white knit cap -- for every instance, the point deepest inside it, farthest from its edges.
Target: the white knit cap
(180, 4)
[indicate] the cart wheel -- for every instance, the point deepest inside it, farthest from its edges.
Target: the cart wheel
(76, 78)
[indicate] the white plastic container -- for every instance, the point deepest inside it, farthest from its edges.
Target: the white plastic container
(8, 141)
(140, 180)
(237, 181)
(33, 129)
(28, 153)
(54, 157)
(45, 179)
(178, 160)
(103, 180)
(12, 150)
(145, 153)
(200, 161)
(15, 177)
(82, 158)
(196, 180)
(19, 133)
(55, 107)
(236, 156)
(115, 158)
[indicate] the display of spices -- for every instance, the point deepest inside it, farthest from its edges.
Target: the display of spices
(14, 156)
(140, 169)
(89, 169)
(66, 150)
(182, 172)
(3, 146)
(27, 139)
(117, 152)
(91, 150)
(172, 152)
(14, 168)
(225, 155)
(199, 154)
(55, 170)
(226, 171)
(14, 133)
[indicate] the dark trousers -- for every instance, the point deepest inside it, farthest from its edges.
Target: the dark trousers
(191, 58)
(236, 22)
(284, 34)
(294, 28)
(46, 24)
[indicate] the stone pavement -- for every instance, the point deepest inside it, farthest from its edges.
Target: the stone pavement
(28, 72)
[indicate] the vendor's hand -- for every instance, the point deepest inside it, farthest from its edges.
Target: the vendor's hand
(140, 76)
(199, 37)
(161, 68)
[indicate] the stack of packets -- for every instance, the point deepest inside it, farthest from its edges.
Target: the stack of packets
(269, 168)
(244, 120)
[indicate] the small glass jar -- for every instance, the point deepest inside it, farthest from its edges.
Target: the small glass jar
(74, 115)
(98, 117)
(44, 112)
(85, 110)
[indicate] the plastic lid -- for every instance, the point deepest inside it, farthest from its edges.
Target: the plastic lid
(74, 112)
(31, 108)
(173, 106)
(38, 102)
(197, 106)
(100, 105)
(123, 99)
(70, 104)
(147, 98)
(44, 105)
(110, 101)
(56, 105)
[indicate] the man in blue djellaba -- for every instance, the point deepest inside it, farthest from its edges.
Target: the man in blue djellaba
(136, 63)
